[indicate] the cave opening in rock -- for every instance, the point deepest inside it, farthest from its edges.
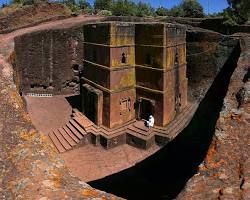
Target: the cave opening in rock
(164, 174)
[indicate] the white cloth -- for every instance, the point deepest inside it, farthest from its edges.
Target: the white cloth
(151, 121)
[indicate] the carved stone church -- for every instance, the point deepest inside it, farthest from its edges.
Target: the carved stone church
(120, 72)
(133, 70)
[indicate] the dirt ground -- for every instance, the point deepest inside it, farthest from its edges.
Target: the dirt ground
(48, 113)
(91, 162)
(87, 162)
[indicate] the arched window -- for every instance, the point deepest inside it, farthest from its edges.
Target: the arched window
(123, 58)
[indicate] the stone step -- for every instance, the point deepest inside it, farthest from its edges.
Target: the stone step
(77, 126)
(68, 131)
(93, 130)
(111, 132)
(61, 139)
(75, 110)
(188, 113)
(140, 125)
(139, 131)
(67, 137)
(138, 135)
(56, 143)
(82, 122)
(78, 114)
(74, 131)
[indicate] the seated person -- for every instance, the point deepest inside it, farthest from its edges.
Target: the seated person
(150, 122)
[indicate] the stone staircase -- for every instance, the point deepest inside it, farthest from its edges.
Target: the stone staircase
(68, 136)
(80, 130)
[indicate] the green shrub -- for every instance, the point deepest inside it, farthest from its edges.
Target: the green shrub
(161, 11)
(104, 13)
(192, 8)
(144, 10)
(123, 8)
(75, 9)
(239, 11)
(102, 5)
(188, 8)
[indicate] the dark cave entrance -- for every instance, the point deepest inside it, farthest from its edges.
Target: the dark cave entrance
(164, 174)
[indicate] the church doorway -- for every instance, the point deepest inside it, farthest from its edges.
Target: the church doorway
(146, 108)
(92, 102)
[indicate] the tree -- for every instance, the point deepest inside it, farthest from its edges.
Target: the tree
(187, 8)
(192, 8)
(83, 4)
(144, 9)
(124, 8)
(103, 4)
(104, 13)
(240, 9)
(69, 2)
(161, 11)
(229, 19)
(176, 11)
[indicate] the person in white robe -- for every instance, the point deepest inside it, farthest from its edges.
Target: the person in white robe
(150, 122)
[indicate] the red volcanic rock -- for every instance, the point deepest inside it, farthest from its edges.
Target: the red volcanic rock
(224, 174)
(29, 165)
(31, 15)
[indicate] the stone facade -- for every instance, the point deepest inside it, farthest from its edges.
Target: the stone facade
(139, 67)
(49, 61)
(131, 70)
(161, 70)
(109, 65)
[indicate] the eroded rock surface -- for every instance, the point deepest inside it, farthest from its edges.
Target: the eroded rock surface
(30, 167)
(225, 172)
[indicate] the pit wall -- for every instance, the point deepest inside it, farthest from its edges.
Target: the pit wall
(207, 52)
(224, 173)
(49, 61)
(31, 167)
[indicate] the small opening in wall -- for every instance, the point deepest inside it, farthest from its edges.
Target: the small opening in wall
(32, 86)
(176, 61)
(123, 58)
(149, 59)
(50, 84)
(133, 141)
(44, 87)
(76, 67)
(179, 100)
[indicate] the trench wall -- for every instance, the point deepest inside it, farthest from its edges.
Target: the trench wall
(49, 61)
